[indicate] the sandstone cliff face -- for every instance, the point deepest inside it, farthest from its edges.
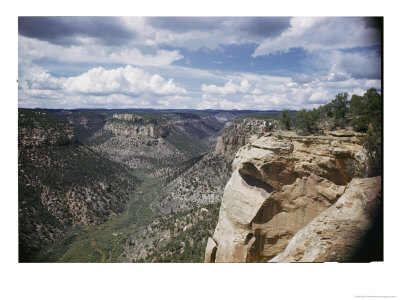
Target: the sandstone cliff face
(278, 186)
(237, 136)
(154, 141)
(131, 125)
(336, 233)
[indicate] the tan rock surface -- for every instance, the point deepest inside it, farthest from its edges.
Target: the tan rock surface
(131, 125)
(279, 186)
(337, 232)
(235, 219)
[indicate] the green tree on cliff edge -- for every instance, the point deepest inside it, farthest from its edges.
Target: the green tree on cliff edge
(285, 119)
(340, 108)
(373, 141)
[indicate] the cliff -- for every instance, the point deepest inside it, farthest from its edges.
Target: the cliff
(152, 140)
(279, 185)
(132, 125)
(237, 135)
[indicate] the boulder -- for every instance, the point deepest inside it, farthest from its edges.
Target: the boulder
(338, 232)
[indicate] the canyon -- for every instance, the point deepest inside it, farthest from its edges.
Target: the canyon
(122, 186)
(82, 170)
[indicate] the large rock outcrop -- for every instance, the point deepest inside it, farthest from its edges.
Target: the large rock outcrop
(131, 125)
(278, 186)
(338, 232)
(237, 135)
(153, 140)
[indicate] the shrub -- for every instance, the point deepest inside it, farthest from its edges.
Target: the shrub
(373, 139)
(373, 145)
(357, 106)
(340, 108)
(354, 168)
(285, 119)
(361, 124)
(307, 121)
(326, 111)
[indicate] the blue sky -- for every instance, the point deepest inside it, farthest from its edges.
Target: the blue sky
(195, 62)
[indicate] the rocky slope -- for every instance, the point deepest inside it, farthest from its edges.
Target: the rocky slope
(203, 183)
(84, 123)
(280, 183)
(176, 237)
(152, 141)
(62, 184)
(35, 129)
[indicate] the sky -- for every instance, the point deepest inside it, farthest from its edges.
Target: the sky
(259, 63)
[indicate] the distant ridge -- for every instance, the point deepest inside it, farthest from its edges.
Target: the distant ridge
(247, 111)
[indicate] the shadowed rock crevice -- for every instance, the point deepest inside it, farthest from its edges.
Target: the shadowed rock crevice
(211, 250)
(248, 238)
(249, 169)
(252, 181)
(213, 253)
(268, 210)
(279, 173)
(256, 246)
(334, 170)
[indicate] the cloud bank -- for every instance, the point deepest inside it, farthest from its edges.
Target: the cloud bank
(126, 80)
(196, 62)
(314, 34)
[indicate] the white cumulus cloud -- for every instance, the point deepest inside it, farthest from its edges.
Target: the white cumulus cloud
(228, 88)
(127, 80)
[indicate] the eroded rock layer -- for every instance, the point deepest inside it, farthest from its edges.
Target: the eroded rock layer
(278, 186)
(338, 232)
(237, 135)
(132, 125)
